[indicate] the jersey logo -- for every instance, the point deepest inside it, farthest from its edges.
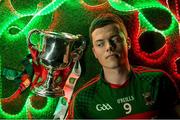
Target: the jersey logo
(103, 107)
(148, 98)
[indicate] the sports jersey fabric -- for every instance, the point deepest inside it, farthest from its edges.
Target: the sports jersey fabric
(146, 94)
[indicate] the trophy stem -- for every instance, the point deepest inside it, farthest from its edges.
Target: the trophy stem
(49, 89)
(49, 81)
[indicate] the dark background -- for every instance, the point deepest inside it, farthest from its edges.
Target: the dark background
(152, 26)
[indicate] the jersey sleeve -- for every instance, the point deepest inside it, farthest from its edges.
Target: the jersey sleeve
(168, 96)
(74, 111)
(78, 113)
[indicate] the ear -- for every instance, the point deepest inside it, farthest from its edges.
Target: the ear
(129, 43)
(94, 52)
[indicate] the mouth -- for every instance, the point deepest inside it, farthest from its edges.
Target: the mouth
(112, 55)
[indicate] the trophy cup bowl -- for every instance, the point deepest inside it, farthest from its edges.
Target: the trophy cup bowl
(58, 51)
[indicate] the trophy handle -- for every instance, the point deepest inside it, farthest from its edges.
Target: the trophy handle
(78, 52)
(30, 44)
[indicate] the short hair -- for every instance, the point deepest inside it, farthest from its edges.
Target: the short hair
(106, 19)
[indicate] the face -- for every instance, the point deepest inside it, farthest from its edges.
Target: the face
(110, 46)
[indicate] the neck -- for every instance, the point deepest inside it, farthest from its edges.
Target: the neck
(116, 75)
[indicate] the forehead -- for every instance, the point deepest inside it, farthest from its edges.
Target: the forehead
(106, 31)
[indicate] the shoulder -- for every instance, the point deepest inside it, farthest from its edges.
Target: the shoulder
(147, 71)
(142, 69)
(151, 74)
(81, 97)
(87, 87)
(158, 76)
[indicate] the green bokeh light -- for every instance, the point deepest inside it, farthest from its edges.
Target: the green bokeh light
(139, 5)
(43, 17)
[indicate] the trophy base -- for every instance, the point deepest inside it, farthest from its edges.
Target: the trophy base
(47, 92)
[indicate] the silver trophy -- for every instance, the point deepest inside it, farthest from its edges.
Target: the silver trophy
(58, 51)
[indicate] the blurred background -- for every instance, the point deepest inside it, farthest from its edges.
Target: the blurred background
(153, 26)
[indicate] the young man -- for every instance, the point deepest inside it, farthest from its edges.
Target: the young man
(121, 91)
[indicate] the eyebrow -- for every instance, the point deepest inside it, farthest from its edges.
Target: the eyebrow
(99, 40)
(115, 35)
(120, 34)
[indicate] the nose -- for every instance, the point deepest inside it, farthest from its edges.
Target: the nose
(110, 46)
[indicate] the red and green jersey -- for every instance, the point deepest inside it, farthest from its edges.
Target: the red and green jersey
(146, 94)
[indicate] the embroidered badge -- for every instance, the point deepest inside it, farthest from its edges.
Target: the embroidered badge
(148, 98)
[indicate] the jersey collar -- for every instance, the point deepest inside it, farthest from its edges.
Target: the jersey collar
(115, 86)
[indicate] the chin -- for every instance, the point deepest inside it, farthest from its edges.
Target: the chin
(112, 66)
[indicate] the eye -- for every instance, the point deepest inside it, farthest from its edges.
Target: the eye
(100, 44)
(116, 39)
